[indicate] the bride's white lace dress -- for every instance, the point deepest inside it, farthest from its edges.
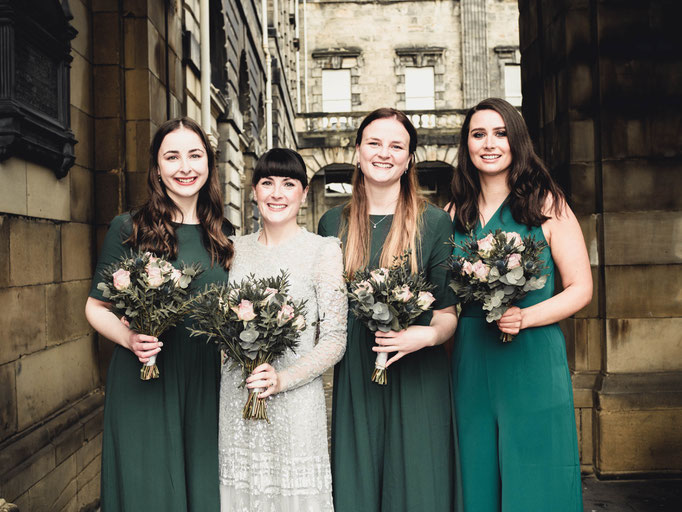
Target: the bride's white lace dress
(283, 466)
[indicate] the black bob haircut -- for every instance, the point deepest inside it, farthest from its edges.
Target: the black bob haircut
(282, 162)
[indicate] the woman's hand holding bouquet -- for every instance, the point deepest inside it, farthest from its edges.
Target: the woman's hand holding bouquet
(498, 271)
(388, 300)
(151, 294)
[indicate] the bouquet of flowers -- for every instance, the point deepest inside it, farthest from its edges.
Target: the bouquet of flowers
(254, 321)
(497, 270)
(151, 293)
(388, 299)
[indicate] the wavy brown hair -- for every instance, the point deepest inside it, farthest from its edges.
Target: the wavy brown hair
(529, 180)
(153, 229)
(404, 232)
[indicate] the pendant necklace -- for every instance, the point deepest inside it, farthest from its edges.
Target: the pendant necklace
(375, 224)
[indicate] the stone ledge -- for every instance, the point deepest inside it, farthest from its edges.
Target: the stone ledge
(22, 446)
(640, 391)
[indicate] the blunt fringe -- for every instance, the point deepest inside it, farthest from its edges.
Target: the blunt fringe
(282, 162)
(153, 228)
(529, 180)
(404, 232)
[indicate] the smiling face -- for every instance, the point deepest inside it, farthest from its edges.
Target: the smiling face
(383, 153)
(182, 165)
(488, 144)
(279, 199)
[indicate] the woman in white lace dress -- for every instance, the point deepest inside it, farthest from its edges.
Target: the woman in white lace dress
(283, 465)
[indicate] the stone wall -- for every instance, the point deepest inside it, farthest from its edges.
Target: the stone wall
(601, 96)
(50, 409)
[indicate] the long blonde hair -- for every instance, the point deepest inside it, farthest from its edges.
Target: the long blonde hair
(404, 233)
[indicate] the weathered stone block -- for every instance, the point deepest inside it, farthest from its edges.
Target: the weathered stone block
(20, 479)
(639, 441)
(135, 34)
(108, 86)
(137, 90)
(586, 442)
(46, 196)
(138, 140)
(657, 289)
(89, 484)
(652, 237)
(644, 345)
(108, 133)
(90, 450)
(136, 183)
(68, 442)
(4, 251)
(83, 129)
(582, 141)
(56, 489)
(81, 83)
(65, 317)
(76, 251)
(82, 184)
(109, 195)
(157, 100)
(583, 188)
(8, 401)
(49, 379)
(635, 185)
(156, 51)
(13, 191)
(81, 22)
(33, 251)
(106, 38)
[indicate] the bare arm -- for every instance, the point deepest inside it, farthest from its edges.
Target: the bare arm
(108, 325)
(572, 261)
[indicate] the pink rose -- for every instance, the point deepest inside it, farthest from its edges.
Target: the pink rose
(299, 323)
(121, 279)
(175, 276)
(403, 294)
(485, 245)
(515, 238)
(424, 300)
(467, 268)
(154, 277)
(514, 261)
(165, 266)
(481, 270)
(285, 314)
(269, 294)
(379, 275)
(244, 310)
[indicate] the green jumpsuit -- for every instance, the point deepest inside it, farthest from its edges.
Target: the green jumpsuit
(160, 440)
(514, 406)
(393, 446)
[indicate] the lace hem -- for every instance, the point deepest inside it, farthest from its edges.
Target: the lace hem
(236, 500)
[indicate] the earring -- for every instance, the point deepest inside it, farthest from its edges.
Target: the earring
(159, 177)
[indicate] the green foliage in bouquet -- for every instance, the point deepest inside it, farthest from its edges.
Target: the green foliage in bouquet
(254, 322)
(497, 270)
(151, 293)
(388, 299)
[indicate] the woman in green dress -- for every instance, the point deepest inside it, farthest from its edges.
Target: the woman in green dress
(514, 401)
(393, 446)
(160, 440)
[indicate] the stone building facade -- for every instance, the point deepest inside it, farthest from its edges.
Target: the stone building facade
(130, 65)
(601, 93)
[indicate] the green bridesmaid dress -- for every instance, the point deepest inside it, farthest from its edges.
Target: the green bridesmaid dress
(514, 406)
(393, 446)
(160, 440)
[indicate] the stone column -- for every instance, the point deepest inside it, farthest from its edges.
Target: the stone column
(600, 86)
(474, 52)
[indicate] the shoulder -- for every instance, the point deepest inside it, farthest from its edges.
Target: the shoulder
(434, 216)
(330, 221)
(244, 240)
(122, 225)
(323, 243)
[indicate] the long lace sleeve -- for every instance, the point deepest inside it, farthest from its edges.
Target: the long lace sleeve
(332, 308)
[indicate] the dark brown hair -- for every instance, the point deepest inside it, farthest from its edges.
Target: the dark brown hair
(529, 180)
(153, 229)
(281, 162)
(404, 231)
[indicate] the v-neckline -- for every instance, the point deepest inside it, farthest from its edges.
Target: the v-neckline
(499, 208)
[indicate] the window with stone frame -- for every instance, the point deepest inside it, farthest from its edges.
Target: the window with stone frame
(335, 79)
(419, 90)
(336, 95)
(509, 63)
(420, 73)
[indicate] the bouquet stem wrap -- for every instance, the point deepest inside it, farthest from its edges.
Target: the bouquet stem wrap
(149, 370)
(256, 408)
(379, 375)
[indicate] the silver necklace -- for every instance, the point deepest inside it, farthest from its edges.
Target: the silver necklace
(375, 224)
